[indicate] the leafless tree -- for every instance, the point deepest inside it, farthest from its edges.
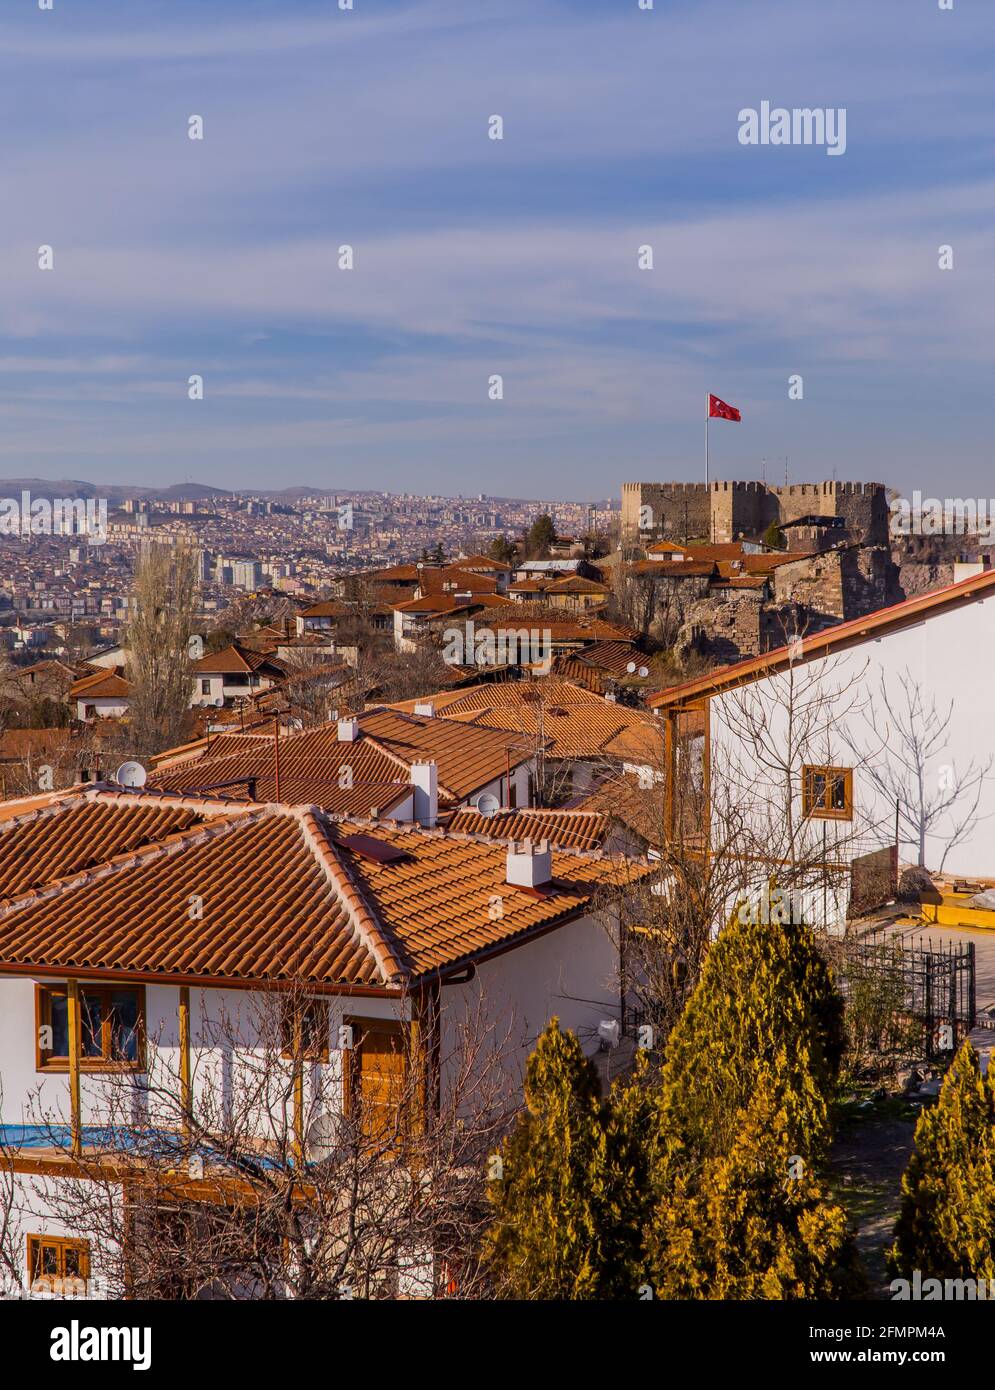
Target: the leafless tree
(164, 596)
(255, 1182)
(934, 798)
(313, 685)
(724, 822)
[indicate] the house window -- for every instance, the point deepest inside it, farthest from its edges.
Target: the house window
(827, 793)
(112, 1025)
(313, 1015)
(375, 1077)
(205, 687)
(58, 1265)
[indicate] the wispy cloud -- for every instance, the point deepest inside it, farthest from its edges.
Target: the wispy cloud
(476, 256)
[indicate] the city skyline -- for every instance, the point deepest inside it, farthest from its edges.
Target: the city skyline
(475, 257)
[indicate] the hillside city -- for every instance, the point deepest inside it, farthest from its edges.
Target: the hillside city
(497, 768)
(539, 752)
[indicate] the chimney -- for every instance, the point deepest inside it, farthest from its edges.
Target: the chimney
(425, 779)
(348, 730)
(529, 865)
(425, 708)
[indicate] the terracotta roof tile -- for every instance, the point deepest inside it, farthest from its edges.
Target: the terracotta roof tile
(347, 778)
(281, 897)
(75, 833)
(575, 722)
(563, 829)
(467, 759)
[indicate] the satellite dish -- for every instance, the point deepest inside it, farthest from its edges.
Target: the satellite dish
(487, 805)
(219, 701)
(644, 671)
(130, 775)
(322, 1138)
(631, 668)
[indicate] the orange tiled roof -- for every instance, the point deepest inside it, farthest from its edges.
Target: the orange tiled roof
(672, 569)
(467, 759)
(312, 765)
(284, 895)
(103, 684)
(327, 608)
(311, 761)
(437, 903)
(76, 832)
(575, 722)
(480, 562)
(236, 660)
(563, 829)
(613, 657)
(699, 550)
(452, 580)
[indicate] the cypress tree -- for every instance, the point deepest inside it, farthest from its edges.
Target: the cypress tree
(575, 1194)
(544, 1240)
(753, 1223)
(765, 1004)
(946, 1221)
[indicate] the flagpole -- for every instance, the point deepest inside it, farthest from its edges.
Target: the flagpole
(706, 440)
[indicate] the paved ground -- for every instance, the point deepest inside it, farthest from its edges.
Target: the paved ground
(867, 1160)
(873, 1144)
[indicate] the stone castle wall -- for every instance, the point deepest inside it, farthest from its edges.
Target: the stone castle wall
(726, 510)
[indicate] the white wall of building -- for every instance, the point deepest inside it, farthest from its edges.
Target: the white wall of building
(571, 973)
(947, 658)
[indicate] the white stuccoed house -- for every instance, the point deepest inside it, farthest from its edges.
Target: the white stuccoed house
(866, 745)
(147, 937)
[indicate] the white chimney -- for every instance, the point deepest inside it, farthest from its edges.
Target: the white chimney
(348, 730)
(425, 779)
(529, 865)
(425, 708)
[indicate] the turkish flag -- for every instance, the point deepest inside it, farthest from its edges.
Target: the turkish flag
(718, 410)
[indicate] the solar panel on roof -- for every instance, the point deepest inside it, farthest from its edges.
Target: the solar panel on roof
(368, 847)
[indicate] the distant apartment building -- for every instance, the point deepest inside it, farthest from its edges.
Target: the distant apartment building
(247, 574)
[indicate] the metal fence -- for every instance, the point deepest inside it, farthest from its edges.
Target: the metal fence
(932, 984)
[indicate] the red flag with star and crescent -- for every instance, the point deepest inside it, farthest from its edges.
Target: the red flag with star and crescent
(718, 410)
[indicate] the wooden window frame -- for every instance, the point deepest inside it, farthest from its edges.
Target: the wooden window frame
(308, 1054)
(37, 1240)
(819, 811)
(46, 1062)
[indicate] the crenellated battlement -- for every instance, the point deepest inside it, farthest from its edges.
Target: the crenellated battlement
(726, 509)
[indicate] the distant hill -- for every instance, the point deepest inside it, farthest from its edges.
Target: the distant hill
(114, 492)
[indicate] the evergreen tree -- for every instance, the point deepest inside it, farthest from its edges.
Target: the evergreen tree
(541, 535)
(752, 1223)
(765, 1002)
(543, 1243)
(438, 556)
(624, 1205)
(774, 537)
(502, 550)
(946, 1222)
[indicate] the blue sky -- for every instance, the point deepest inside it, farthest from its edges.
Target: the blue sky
(476, 257)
